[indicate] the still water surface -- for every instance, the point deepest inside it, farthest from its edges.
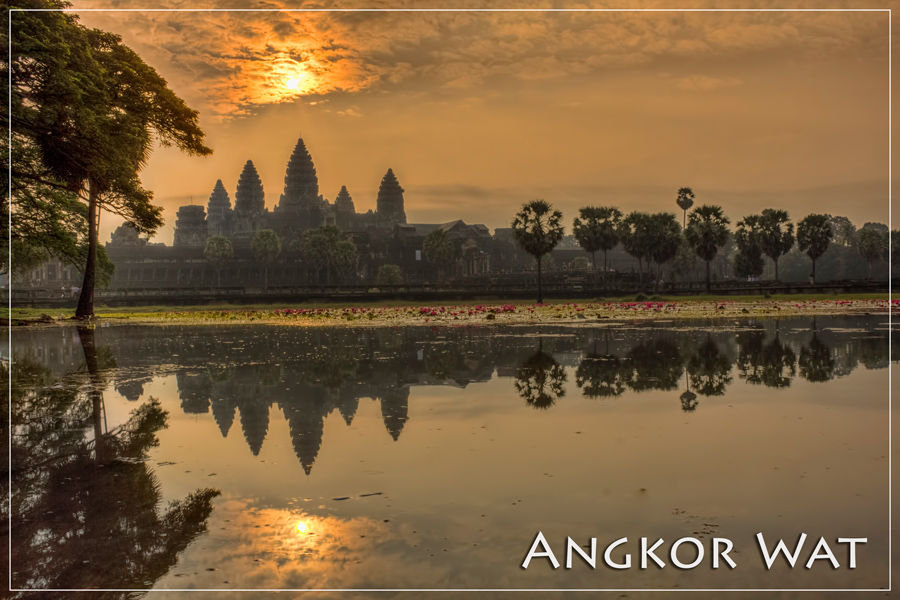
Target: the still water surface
(280, 457)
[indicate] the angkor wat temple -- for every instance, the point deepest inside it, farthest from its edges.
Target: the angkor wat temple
(382, 236)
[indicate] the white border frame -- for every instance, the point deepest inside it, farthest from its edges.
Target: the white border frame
(450, 10)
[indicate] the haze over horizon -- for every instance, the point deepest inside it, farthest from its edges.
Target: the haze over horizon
(478, 112)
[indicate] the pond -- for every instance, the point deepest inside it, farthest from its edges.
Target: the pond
(264, 457)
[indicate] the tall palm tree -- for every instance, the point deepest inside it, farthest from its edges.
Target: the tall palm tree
(685, 201)
(707, 231)
(814, 234)
(777, 234)
(748, 239)
(596, 228)
(538, 228)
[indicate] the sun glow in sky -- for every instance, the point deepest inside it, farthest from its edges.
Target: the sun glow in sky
(478, 112)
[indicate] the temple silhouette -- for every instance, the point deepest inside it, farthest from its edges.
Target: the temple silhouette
(382, 236)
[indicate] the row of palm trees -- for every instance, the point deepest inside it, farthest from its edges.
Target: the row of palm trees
(658, 238)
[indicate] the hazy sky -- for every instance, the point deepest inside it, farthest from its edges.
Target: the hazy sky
(478, 112)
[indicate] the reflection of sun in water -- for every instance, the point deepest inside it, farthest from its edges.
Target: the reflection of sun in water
(301, 527)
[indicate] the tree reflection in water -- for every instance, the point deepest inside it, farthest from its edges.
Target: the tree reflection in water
(540, 380)
(709, 371)
(86, 509)
(772, 365)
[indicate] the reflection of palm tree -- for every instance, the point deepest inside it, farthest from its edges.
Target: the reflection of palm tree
(816, 363)
(655, 364)
(688, 398)
(541, 380)
(601, 376)
(709, 370)
(772, 365)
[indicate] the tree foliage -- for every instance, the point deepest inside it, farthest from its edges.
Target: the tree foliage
(439, 250)
(748, 262)
(814, 234)
(266, 248)
(329, 248)
(636, 235)
(872, 245)
(707, 232)
(389, 275)
(218, 251)
(86, 112)
(777, 235)
(685, 200)
(537, 228)
(597, 228)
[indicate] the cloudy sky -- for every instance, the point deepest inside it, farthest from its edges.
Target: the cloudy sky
(478, 112)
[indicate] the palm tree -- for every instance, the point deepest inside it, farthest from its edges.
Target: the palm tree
(685, 201)
(748, 239)
(707, 232)
(218, 251)
(666, 240)
(266, 247)
(439, 250)
(596, 228)
(636, 234)
(538, 228)
(814, 234)
(777, 234)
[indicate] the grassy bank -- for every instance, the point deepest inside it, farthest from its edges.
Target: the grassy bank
(396, 313)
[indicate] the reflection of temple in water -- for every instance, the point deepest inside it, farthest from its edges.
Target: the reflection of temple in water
(238, 375)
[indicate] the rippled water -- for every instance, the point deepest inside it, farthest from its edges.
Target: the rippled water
(278, 457)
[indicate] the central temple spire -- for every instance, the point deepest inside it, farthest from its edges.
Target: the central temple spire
(301, 185)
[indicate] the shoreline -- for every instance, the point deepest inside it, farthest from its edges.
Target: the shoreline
(488, 314)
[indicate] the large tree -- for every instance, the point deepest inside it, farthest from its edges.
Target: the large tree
(636, 235)
(597, 228)
(748, 238)
(814, 234)
(685, 200)
(777, 235)
(87, 111)
(439, 250)
(218, 251)
(266, 248)
(538, 228)
(707, 231)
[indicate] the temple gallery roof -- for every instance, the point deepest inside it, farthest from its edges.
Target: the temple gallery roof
(457, 227)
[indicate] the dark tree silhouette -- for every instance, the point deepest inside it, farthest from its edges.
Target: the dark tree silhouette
(537, 229)
(748, 238)
(777, 234)
(597, 228)
(602, 376)
(872, 245)
(813, 237)
(540, 381)
(707, 231)
(772, 365)
(685, 201)
(666, 241)
(636, 235)
(816, 362)
(709, 370)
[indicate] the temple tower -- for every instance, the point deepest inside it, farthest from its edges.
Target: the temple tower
(344, 210)
(190, 226)
(389, 205)
(219, 211)
(249, 204)
(301, 184)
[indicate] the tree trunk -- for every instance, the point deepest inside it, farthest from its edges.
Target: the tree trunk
(540, 298)
(640, 273)
(708, 286)
(86, 336)
(814, 271)
(685, 220)
(604, 267)
(266, 277)
(594, 265)
(85, 308)
(776, 268)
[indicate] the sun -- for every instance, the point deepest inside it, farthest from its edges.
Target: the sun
(301, 527)
(292, 84)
